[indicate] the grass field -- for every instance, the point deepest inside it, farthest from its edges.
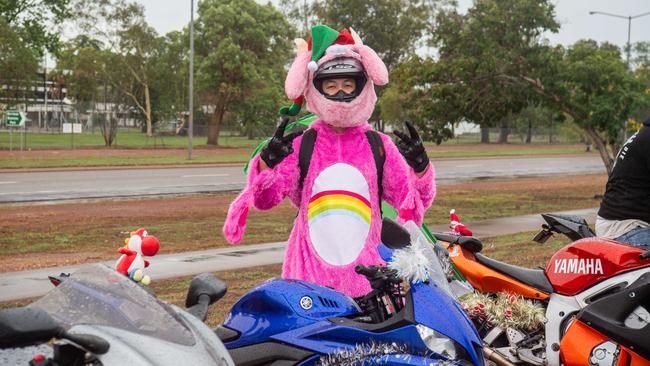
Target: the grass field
(131, 138)
(110, 157)
(136, 150)
(125, 139)
(515, 249)
(47, 235)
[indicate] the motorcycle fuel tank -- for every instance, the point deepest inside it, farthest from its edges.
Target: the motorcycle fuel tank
(586, 262)
(280, 305)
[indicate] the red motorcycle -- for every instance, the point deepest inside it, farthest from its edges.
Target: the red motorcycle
(595, 293)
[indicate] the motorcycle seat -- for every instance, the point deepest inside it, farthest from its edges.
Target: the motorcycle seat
(469, 243)
(533, 277)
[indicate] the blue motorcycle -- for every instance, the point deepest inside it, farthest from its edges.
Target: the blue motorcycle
(290, 322)
(99, 317)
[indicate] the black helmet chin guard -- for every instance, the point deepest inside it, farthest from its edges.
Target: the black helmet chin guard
(341, 68)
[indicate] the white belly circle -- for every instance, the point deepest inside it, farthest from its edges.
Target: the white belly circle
(339, 214)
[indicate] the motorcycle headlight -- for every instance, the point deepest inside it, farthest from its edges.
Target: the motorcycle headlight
(442, 345)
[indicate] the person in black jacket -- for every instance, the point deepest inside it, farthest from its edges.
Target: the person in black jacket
(624, 214)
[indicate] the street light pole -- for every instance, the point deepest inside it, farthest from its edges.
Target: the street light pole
(628, 47)
(629, 31)
(190, 130)
(629, 28)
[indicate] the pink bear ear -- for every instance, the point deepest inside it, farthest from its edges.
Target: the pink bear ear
(298, 76)
(374, 66)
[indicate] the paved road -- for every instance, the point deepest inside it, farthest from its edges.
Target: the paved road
(32, 283)
(93, 184)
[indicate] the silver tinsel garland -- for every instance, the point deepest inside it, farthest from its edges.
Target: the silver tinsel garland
(359, 355)
(367, 354)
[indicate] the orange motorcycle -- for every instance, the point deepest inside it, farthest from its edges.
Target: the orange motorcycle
(595, 294)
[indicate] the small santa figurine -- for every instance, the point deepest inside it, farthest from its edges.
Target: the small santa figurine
(132, 262)
(457, 226)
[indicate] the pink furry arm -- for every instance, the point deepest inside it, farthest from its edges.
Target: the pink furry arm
(270, 186)
(426, 185)
(263, 190)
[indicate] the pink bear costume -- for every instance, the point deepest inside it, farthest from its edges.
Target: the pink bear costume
(338, 225)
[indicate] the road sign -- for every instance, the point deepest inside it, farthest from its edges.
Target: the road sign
(14, 118)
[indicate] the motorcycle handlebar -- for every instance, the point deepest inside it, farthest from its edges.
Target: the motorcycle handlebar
(366, 271)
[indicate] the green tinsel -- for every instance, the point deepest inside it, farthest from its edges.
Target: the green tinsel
(505, 310)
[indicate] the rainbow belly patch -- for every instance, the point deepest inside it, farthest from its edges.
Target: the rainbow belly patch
(340, 202)
(339, 214)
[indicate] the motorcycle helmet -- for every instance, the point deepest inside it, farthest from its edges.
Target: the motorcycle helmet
(341, 68)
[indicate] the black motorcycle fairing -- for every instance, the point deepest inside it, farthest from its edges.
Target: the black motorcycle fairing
(574, 227)
(268, 353)
(608, 314)
(404, 317)
(226, 334)
(533, 277)
(393, 235)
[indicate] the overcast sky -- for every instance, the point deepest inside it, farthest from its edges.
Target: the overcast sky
(168, 15)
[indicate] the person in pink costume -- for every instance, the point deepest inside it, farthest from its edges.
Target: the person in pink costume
(338, 225)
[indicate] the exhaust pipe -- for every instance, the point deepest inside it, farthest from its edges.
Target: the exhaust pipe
(496, 357)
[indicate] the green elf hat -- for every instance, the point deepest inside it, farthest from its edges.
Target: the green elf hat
(322, 37)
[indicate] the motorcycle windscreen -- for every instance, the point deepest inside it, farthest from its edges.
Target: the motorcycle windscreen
(97, 295)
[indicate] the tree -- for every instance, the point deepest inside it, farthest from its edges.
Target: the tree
(393, 28)
(590, 83)
(121, 26)
(79, 62)
(35, 21)
(27, 29)
(409, 97)
(239, 43)
(18, 63)
(169, 77)
(478, 51)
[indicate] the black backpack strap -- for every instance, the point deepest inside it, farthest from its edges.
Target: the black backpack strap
(378, 152)
(305, 153)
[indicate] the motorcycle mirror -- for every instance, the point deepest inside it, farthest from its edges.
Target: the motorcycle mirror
(645, 255)
(25, 326)
(394, 235)
(205, 284)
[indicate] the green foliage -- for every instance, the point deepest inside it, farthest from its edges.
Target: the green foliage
(169, 76)
(409, 98)
(81, 60)
(242, 48)
(475, 76)
(36, 21)
(18, 62)
(599, 91)
(393, 28)
(482, 50)
(591, 84)
(27, 29)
